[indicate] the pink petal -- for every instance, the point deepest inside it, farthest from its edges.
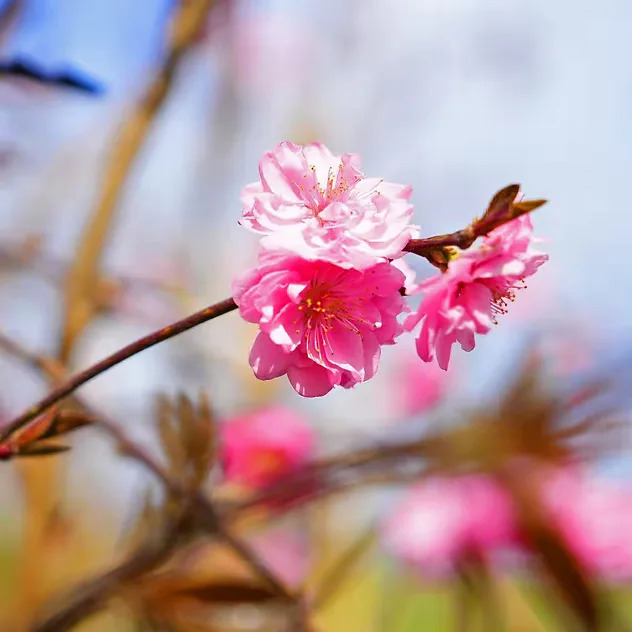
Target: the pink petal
(267, 359)
(313, 381)
(344, 349)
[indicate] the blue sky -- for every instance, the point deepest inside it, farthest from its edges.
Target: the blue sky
(111, 41)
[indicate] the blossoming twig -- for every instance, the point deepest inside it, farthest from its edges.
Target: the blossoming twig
(502, 208)
(499, 212)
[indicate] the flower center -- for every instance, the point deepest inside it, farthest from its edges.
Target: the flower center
(323, 308)
(336, 188)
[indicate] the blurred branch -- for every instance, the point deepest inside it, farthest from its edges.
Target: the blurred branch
(8, 17)
(186, 24)
(93, 596)
(335, 576)
(29, 255)
(193, 503)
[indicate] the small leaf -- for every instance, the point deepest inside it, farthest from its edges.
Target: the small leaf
(204, 453)
(170, 436)
(526, 206)
(41, 450)
(65, 422)
(503, 199)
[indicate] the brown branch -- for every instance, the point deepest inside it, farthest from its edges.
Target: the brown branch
(335, 576)
(195, 503)
(154, 338)
(496, 215)
(186, 24)
(94, 595)
(502, 208)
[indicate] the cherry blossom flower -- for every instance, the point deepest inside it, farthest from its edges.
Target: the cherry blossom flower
(320, 324)
(476, 288)
(594, 517)
(445, 521)
(265, 445)
(321, 207)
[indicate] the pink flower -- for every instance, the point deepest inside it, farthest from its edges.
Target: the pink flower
(476, 288)
(445, 521)
(260, 447)
(320, 324)
(594, 516)
(416, 387)
(321, 207)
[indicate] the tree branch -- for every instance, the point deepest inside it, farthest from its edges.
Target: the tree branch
(83, 277)
(154, 338)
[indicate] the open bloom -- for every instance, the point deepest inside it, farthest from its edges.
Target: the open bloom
(321, 207)
(477, 287)
(445, 521)
(265, 445)
(320, 324)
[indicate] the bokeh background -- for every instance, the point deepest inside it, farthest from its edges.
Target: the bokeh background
(456, 97)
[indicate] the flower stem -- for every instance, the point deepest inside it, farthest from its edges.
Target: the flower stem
(154, 338)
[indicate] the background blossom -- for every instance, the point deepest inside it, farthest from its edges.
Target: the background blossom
(264, 445)
(444, 521)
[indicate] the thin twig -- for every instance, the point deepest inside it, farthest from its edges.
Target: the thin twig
(335, 576)
(423, 247)
(8, 17)
(77, 380)
(94, 595)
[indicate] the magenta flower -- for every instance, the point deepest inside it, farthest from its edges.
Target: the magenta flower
(321, 207)
(444, 522)
(260, 447)
(477, 287)
(594, 516)
(320, 324)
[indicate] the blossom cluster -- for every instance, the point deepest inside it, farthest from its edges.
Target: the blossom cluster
(327, 292)
(445, 522)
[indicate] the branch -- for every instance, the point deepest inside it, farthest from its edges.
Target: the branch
(93, 596)
(83, 278)
(77, 380)
(502, 209)
(195, 502)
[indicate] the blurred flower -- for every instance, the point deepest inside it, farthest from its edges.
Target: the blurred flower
(415, 387)
(321, 207)
(444, 522)
(321, 325)
(265, 445)
(269, 50)
(284, 552)
(594, 517)
(476, 288)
